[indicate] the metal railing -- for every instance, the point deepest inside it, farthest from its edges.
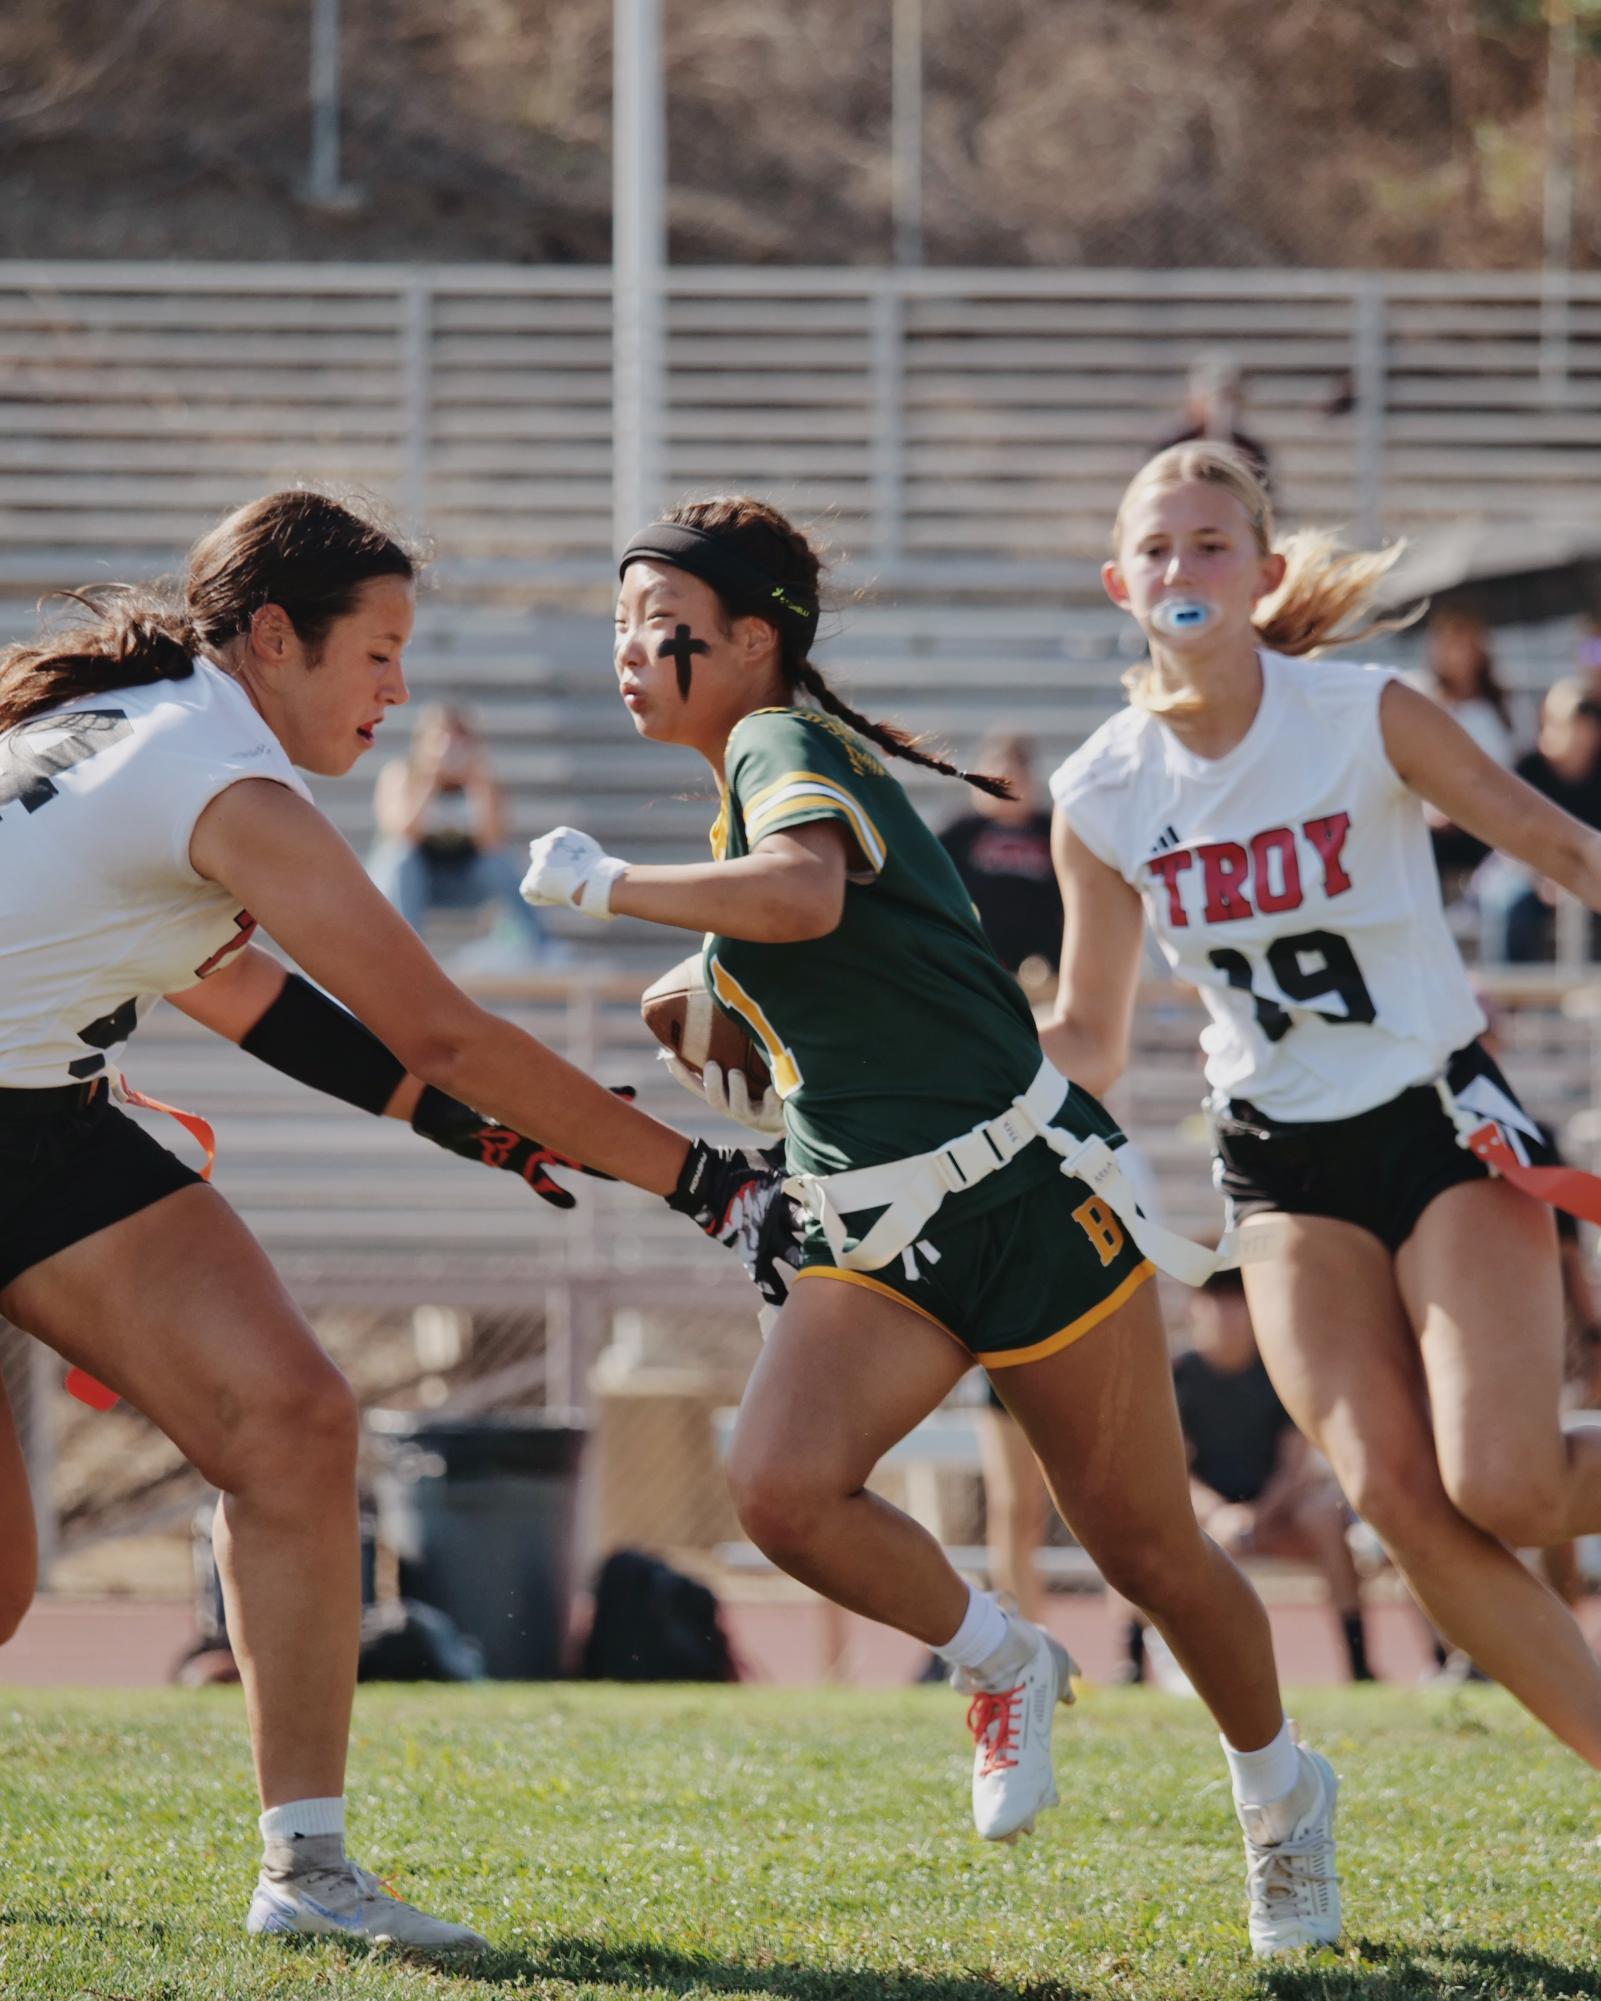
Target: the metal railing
(953, 428)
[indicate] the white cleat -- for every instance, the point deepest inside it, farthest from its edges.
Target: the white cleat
(1289, 1865)
(1010, 1715)
(348, 1903)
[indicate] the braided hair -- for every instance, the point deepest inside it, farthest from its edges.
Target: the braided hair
(773, 548)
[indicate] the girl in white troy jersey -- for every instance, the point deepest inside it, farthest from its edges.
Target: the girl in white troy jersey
(150, 813)
(1264, 813)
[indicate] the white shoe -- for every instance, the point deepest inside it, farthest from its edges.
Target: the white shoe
(1289, 1864)
(1014, 1702)
(348, 1903)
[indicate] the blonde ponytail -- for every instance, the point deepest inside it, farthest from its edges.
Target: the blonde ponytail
(1327, 590)
(1325, 595)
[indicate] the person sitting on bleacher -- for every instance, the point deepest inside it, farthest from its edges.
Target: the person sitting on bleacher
(441, 823)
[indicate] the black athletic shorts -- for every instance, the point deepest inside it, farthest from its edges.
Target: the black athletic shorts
(1379, 1169)
(72, 1163)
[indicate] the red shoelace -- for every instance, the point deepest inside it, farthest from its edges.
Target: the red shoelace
(992, 1722)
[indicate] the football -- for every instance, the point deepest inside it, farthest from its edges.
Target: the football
(679, 1011)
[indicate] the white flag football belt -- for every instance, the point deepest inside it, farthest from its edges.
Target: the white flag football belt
(910, 1191)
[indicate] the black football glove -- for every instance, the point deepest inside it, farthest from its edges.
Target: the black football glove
(736, 1195)
(459, 1129)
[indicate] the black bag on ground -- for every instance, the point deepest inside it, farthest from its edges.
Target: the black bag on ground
(403, 1640)
(652, 1623)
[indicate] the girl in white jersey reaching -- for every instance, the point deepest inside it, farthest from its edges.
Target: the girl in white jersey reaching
(150, 814)
(1264, 813)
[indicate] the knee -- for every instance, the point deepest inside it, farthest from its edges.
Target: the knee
(1149, 1575)
(1517, 1507)
(1399, 1495)
(300, 1436)
(778, 1507)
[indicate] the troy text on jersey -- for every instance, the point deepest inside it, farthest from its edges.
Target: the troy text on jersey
(1266, 875)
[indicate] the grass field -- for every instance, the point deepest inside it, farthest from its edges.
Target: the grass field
(811, 1846)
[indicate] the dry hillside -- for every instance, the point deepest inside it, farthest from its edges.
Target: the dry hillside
(1334, 132)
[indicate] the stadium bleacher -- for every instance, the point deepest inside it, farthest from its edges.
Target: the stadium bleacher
(963, 437)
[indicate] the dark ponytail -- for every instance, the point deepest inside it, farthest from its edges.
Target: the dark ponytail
(775, 549)
(124, 636)
(301, 550)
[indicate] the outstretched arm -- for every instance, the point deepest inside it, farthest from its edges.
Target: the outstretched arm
(235, 999)
(1435, 756)
(792, 887)
(1086, 1033)
(288, 865)
(284, 1021)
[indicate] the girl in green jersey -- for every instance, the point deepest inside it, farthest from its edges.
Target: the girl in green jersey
(943, 1228)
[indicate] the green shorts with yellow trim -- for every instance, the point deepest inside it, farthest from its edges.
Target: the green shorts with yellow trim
(1015, 1283)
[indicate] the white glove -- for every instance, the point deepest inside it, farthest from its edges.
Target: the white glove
(565, 865)
(729, 1095)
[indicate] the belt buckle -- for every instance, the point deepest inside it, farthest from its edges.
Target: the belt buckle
(1010, 1132)
(965, 1161)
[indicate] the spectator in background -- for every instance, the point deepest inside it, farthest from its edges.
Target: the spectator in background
(1214, 404)
(1461, 677)
(1017, 1507)
(441, 828)
(1258, 1488)
(1565, 765)
(1002, 852)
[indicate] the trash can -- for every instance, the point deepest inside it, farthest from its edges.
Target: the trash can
(480, 1512)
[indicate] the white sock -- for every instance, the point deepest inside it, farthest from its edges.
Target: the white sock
(980, 1634)
(299, 1818)
(1260, 1777)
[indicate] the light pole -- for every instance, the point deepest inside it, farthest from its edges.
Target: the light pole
(324, 188)
(906, 130)
(1561, 61)
(639, 261)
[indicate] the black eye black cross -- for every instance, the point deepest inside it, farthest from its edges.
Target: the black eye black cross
(681, 649)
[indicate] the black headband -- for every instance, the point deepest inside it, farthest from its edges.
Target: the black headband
(713, 559)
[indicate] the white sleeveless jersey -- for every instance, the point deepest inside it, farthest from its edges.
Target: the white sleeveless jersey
(100, 912)
(1292, 882)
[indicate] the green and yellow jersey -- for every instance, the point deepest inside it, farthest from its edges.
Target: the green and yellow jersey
(901, 1029)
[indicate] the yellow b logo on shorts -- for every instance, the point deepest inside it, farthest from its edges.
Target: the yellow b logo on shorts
(1101, 1227)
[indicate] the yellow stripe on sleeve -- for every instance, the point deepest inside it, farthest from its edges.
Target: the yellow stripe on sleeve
(807, 792)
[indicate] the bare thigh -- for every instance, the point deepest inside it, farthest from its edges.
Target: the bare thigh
(1482, 1286)
(178, 1309)
(845, 1374)
(1101, 1417)
(1335, 1337)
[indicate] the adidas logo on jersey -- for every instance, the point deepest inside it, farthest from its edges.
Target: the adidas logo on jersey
(1168, 838)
